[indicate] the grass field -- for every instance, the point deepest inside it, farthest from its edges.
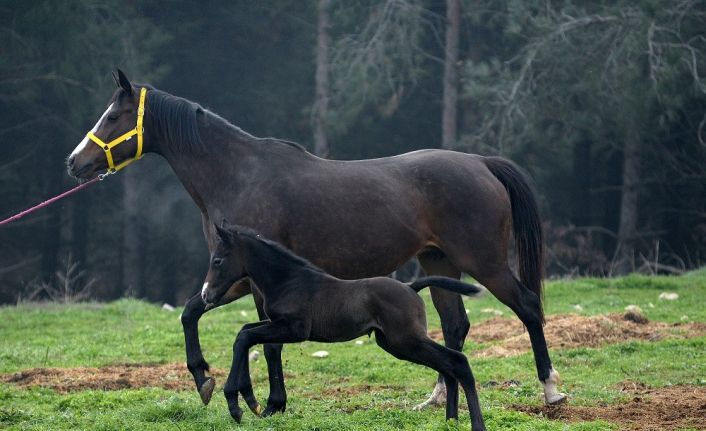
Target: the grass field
(357, 386)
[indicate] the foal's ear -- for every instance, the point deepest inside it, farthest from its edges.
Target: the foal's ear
(223, 234)
(124, 83)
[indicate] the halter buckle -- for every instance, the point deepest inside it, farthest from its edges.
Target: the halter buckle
(101, 177)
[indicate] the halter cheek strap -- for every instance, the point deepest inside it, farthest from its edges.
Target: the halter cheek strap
(138, 130)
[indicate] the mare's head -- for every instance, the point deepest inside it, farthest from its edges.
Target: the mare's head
(227, 266)
(89, 158)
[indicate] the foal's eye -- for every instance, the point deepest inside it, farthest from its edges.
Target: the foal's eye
(217, 261)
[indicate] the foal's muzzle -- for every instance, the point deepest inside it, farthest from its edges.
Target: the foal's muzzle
(208, 296)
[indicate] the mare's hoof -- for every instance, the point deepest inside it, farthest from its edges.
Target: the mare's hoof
(237, 413)
(437, 398)
(272, 409)
(206, 390)
(555, 399)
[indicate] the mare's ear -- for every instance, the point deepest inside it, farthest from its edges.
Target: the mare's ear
(223, 234)
(115, 78)
(124, 83)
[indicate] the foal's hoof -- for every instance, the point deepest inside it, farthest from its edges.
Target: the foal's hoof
(236, 413)
(555, 399)
(206, 390)
(272, 409)
(257, 410)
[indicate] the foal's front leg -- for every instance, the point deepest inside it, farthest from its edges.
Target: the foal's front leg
(195, 362)
(277, 400)
(250, 335)
(232, 387)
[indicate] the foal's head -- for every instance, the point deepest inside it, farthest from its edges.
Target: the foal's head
(89, 158)
(227, 264)
(241, 252)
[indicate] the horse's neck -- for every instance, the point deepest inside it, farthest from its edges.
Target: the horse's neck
(272, 277)
(216, 173)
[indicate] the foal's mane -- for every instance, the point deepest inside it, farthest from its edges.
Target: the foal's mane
(176, 118)
(283, 253)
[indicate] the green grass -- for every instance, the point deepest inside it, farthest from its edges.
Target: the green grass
(130, 331)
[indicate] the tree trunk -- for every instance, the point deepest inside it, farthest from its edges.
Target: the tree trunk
(581, 193)
(79, 229)
(448, 115)
(627, 230)
(133, 238)
(51, 236)
(323, 39)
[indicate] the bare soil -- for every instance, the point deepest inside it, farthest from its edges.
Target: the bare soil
(510, 338)
(114, 377)
(669, 408)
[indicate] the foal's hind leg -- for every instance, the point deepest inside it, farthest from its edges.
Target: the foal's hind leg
(527, 306)
(454, 321)
(420, 349)
(195, 362)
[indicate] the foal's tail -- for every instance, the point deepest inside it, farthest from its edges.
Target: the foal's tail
(446, 283)
(525, 222)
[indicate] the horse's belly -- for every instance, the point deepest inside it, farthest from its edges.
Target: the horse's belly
(361, 248)
(332, 324)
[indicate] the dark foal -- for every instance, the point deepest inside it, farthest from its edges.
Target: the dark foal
(302, 302)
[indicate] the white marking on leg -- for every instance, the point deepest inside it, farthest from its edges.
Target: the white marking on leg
(84, 141)
(551, 395)
(437, 398)
(203, 292)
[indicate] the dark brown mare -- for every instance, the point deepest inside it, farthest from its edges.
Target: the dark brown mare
(354, 219)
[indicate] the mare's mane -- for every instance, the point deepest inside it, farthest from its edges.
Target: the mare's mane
(177, 120)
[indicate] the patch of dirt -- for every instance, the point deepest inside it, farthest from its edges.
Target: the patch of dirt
(114, 377)
(573, 330)
(349, 391)
(649, 409)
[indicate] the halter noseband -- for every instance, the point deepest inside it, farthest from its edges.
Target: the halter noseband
(138, 130)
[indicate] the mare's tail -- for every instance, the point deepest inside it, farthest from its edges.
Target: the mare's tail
(525, 223)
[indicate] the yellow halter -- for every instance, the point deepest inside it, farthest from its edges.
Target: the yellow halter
(138, 130)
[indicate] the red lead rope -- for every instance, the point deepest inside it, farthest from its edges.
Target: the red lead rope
(49, 201)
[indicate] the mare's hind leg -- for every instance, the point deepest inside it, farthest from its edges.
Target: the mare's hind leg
(195, 362)
(527, 306)
(454, 322)
(420, 349)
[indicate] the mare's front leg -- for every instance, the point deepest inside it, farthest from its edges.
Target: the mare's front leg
(259, 333)
(277, 400)
(195, 362)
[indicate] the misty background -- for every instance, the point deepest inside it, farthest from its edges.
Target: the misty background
(603, 103)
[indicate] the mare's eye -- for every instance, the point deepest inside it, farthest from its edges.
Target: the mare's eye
(113, 117)
(217, 261)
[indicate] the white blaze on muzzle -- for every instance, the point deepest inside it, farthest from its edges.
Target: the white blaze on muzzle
(84, 141)
(203, 292)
